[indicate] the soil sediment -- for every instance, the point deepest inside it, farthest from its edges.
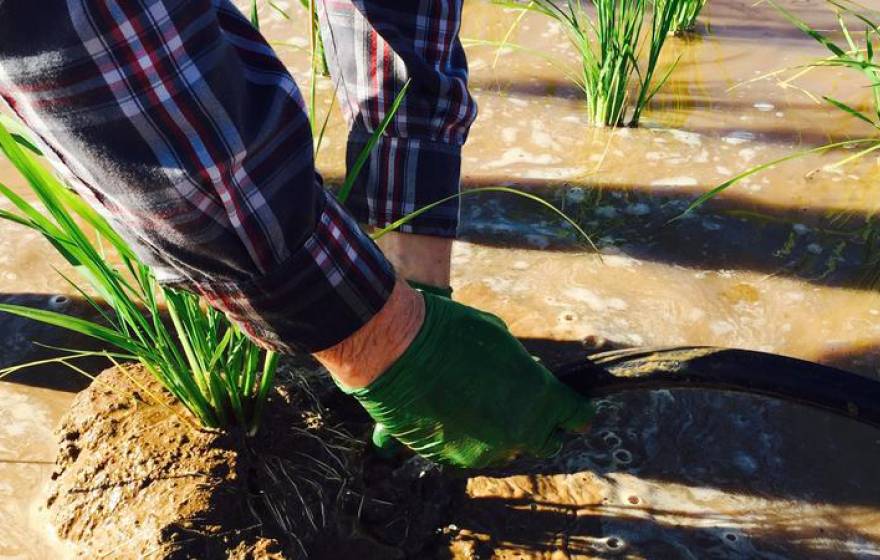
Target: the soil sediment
(134, 479)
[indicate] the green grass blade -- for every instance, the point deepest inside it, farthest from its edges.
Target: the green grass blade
(323, 129)
(510, 31)
(82, 326)
(803, 26)
(278, 9)
(702, 199)
(371, 143)
(270, 365)
(844, 107)
(411, 216)
(20, 133)
(255, 16)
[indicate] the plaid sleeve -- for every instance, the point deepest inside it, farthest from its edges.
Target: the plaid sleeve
(373, 47)
(177, 120)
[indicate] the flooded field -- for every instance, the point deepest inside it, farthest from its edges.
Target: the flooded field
(786, 262)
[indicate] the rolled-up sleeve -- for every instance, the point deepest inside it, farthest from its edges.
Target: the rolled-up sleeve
(179, 123)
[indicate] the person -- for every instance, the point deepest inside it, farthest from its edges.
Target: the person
(178, 122)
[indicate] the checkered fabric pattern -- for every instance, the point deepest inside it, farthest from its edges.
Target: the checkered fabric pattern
(372, 48)
(177, 120)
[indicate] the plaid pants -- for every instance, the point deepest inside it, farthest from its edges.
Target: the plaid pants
(178, 122)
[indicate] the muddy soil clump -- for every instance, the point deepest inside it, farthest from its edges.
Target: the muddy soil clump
(135, 479)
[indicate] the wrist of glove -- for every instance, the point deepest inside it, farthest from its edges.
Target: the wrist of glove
(467, 393)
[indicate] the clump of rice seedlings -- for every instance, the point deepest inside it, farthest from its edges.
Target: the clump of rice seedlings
(202, 359)
(857, 52)
(685, 19)
(610, 38)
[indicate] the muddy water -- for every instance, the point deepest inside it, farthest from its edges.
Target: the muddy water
(784, 262)
(27, 452)
(656, 480)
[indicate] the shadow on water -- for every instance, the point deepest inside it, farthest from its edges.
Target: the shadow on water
(863, 356)
(583, 533)
(824, 246)
(707, 475)
(22, 340)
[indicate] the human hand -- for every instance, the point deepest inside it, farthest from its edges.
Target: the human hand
(467, 393)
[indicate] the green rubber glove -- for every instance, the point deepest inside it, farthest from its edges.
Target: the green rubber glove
(383, 442)
(467, 393)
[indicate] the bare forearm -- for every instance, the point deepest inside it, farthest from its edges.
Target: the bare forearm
(362, 357)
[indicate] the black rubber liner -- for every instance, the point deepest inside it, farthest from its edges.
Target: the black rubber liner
(741, 371)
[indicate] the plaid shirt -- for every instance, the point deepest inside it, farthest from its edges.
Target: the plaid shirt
(176, 120)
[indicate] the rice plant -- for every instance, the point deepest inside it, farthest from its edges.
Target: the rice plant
(686, 13)
(850, 54)
(205, 361)
(858, 53)
(610, 41)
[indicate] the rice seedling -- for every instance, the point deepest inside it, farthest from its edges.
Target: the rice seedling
(203, 360)
(610, 41)
(686, 13)
(851, 54)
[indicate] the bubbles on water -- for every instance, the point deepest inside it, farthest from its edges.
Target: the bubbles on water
(605, 404)
(746, 463)
(738, 137)
(690, 138)
(748, 154)
(576, 195)
(594, 301)
(59, 301)
(614, 543)
(735, 540)
(622, 457)
(611, 439)
(638, 209)
(720, 328)
(681, 181)
(606, 212)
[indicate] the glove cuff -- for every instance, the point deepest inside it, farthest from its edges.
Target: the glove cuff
(389, 377)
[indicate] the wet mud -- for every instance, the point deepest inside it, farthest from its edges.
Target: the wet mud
(133, 480)
(786, 262)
